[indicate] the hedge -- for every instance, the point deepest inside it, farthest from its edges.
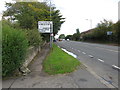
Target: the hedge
(34, 38)
(14, 48)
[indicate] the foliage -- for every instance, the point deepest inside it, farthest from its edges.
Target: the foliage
(62, 36)
(100, 32)
(34, 38)
(76, 36)
(14, 48)
(68, 37)
(59, 62)
(29, 13)
(116, 30)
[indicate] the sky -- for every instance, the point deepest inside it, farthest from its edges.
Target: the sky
(80, 13)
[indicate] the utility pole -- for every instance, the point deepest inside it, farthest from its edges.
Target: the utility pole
(90, 22)
(51, 23)
(50, 28)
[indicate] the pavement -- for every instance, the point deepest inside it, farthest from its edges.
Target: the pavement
(83, 77)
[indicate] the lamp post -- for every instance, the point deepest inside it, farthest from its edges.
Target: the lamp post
(90, 22)
(51, 28)
(51, 23)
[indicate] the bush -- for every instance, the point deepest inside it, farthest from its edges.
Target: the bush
(34, 37)
(14, 48)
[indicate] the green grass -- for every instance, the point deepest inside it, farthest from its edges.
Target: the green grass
(59, 62)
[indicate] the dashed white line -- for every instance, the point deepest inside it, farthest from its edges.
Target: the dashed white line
(116, 67)
(107, 49)
(83, 52)
(100, 60)
(90, 56)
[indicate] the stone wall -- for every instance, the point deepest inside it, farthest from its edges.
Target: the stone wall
(31, 53)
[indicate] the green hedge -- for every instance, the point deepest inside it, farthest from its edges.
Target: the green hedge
(34, 38)
(14, 48)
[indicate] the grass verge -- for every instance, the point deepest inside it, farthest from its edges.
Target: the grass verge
(59, 62)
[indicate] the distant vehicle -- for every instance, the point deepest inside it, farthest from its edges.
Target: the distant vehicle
(54, 40)
(68, 39)
(60, 39)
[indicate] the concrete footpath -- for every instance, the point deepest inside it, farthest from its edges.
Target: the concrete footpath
(81, 78)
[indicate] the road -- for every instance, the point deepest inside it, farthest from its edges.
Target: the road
(102, 59)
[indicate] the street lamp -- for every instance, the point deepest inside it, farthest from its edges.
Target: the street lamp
(90, 22)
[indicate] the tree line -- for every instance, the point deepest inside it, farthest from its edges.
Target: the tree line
(105, 31)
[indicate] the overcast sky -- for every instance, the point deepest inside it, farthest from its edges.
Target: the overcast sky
(77, 11)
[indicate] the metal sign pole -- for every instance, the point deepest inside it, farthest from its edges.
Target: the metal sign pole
(50, 27)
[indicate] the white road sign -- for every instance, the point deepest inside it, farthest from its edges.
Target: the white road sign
(109, 32)
(45, 26)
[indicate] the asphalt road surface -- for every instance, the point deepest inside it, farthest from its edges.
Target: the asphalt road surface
(102, 59)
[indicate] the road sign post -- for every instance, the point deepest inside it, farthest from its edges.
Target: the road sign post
(46, 27)
(109, 33)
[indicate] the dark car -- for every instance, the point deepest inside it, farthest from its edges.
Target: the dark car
(54, 40)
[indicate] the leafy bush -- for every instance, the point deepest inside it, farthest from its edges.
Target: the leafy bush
(14, 48)
(34, 37)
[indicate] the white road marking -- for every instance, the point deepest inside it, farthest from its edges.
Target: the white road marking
(106, 49)
(116, 67)
(101, 48)
(100, 60)
(79, 51)
(83, 52)
(90, 56)
(70, 53)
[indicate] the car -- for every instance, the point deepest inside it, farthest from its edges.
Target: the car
(68, 39)
(54, 40)
(60, 39)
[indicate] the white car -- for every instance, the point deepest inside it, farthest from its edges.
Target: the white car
(68, 39)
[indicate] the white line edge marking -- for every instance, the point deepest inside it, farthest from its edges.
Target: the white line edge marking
(90, 56)
(101, 60)
(116, 67)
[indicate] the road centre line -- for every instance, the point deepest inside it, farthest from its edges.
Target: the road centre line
(90, 56)
(116, 67)
(106, 49)
(100, 60)
(83, 52)
(102, 48)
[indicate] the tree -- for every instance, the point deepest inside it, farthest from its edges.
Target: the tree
(76, 36)
(100, 32)
(62, 36)
(68, 37)
(77, 31)
(27, 14)
(116, 32)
